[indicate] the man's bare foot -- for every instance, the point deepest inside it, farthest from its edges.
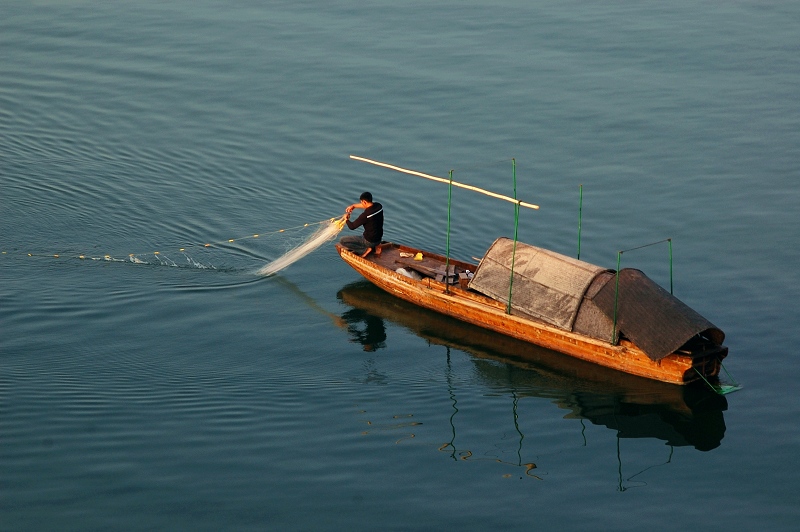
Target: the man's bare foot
(378, 251)
(367, 252)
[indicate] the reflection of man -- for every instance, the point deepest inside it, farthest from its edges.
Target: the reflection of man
(373, 334)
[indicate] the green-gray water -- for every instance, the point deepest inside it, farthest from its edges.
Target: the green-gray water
(204, 397)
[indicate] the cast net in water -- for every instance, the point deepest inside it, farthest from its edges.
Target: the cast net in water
(324, 233)
(242, 254)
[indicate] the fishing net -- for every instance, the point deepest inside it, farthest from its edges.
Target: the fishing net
(279, 249)
(324, 233)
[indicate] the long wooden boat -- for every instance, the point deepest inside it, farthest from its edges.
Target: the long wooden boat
(559, 303)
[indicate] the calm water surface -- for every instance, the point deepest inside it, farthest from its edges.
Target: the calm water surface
(186, 392)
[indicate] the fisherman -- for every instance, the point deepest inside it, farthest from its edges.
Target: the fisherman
(372, 220)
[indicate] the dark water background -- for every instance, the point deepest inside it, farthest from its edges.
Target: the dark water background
(148, 396)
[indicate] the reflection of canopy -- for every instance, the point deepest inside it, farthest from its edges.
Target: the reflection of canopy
(636, 407)
(703, 429)
(579, 297)
(680, 416)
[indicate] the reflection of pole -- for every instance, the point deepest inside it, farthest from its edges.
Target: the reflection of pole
(583, 432)
(620, 487)
(529, 466)
(516, 426)
(337, 320)
(514, 403)
(669, 460)
(619, 462)
(455, 402)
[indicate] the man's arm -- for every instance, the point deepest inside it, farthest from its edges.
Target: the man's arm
(350, 208)
(358, 221)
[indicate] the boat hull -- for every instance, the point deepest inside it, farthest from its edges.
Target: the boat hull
(479, 310)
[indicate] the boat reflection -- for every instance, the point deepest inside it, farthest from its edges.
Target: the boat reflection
(365, 328)
(634, 407)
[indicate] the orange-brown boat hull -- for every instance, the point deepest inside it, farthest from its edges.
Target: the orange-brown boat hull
(482, 311)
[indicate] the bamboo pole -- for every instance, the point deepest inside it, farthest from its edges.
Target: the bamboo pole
(447, 259)
(516, 235)
(443, 180)
(580, 220)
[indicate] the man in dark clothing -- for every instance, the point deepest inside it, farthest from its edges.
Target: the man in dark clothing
(372, 220)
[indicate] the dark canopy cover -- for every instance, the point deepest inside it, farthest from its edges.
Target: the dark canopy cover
(579, 297)
(655, 320)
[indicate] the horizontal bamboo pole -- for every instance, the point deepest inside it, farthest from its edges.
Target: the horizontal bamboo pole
(443, 180)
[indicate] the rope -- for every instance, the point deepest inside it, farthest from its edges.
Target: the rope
(646, 245)
(735, 382)
(616, 292)
(722, 389)
(131, 257)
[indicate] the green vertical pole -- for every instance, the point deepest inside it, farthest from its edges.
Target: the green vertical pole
(447, 257)
(670, 265)
(616, 302)
(580, 219)
(516, 234)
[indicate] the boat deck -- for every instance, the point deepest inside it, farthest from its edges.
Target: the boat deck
(395, 256)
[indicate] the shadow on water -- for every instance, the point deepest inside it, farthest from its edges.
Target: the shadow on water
(631, 406)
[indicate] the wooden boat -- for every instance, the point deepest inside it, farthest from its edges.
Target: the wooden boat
(630, 324)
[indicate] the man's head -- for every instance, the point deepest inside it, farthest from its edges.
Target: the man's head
(366, 197)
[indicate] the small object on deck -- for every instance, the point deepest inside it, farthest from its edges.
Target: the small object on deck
(405, 254)
(435, 273)
(411, 274)
(449, 279)
(418, 256)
